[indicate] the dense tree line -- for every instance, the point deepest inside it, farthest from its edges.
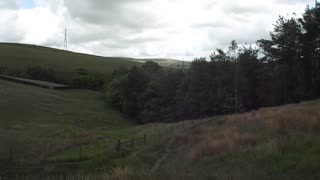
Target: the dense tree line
(283, 69)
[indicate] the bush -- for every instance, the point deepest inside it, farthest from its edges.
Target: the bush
(40, 73)
(2, 70)
(87, 82)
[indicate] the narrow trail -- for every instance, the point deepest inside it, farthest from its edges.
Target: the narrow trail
(164, 157)
(168, 148)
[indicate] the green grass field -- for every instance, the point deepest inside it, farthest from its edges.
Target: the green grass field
(18, 57)
(45, 128)
(64, 63)
(35, 116)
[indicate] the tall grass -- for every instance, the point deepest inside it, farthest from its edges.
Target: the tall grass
(268, 127)
(268, 132)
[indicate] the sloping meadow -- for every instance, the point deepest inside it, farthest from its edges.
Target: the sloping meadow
(271, 143)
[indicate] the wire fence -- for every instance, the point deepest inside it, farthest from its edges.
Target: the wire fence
(154, 135)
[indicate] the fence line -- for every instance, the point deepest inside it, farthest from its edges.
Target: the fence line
(158, 133)
(127, 145)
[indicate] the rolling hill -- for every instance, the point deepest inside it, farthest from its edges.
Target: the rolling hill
(21, 56)
(18, 57)
(44, 127)
(170, 63)
(34, 117)
(41, 130)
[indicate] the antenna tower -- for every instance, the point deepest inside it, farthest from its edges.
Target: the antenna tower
(65, 39)
(183, 67)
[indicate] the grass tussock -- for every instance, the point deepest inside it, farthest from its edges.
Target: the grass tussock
(219, 141)
(265, 130)
(303, 117)
(120, 173)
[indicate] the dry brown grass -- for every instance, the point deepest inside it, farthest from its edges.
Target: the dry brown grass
(120, 173)
(299, 117)
(272, 144)
(217, 141)
(240, 132)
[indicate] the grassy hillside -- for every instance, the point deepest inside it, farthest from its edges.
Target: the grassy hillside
(45, 128)
(18, 57)
(272, 143)
(65, 63)
(42, 130)
(36, 122)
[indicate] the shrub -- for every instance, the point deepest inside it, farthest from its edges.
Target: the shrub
(40, 73)
(88, 82)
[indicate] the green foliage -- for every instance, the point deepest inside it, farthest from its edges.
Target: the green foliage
(144, 93)
(87, 82)
(40, 73)
(237, 80)
(84, 80)
(82, 71)
(294, 47)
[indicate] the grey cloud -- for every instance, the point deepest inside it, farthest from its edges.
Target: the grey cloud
(136, 28)
(89, 33)
(112, 27)
(241, 8)
(249, 34)
(125, 13)
(139, 40)
(294, 1)
(214, 25)
(8, 4)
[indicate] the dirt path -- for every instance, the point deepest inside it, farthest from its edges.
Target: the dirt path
(164, 157)
(169, 147)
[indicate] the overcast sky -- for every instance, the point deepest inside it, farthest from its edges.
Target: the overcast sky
(181, 29)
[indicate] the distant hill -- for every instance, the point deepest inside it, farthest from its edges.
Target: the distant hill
(65, 63)
(18, 57)
(171, 63)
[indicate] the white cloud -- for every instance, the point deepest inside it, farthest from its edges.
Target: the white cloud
(39, 25)
(143, 28)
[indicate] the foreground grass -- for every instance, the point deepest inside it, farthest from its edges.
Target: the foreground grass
(272, 143)
(45, 128)
(38, 123)
(48, 131)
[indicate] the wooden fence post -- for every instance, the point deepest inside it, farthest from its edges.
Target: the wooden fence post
(10, 154)
(60, 173)
(144, 138)
(80, 152)
(118, 145)
(132, 143)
